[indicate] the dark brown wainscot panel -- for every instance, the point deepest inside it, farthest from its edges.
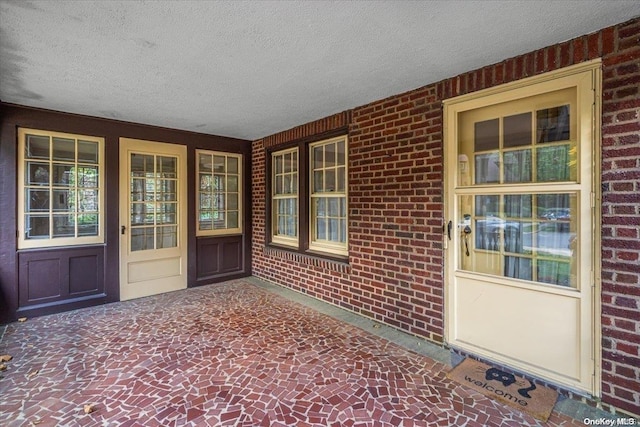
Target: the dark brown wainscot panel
(55, 277)
(219, 257)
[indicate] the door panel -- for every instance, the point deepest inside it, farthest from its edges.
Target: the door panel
(521, 255)
(153, 249)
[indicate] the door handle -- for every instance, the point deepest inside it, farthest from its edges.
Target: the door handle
(122, 229)
(449, 227)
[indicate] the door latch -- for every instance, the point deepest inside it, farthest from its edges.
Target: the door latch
(466, 231)
(122, 229)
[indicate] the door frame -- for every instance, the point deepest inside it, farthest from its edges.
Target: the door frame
(508, 92)
(126, 146)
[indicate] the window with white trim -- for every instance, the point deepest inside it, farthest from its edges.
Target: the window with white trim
(219, 194)
(284, 165)
(328, 196)
(60, 189)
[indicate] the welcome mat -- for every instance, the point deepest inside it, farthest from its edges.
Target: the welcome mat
(520, 393)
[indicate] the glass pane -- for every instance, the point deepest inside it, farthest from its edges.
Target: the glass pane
(137, 189)
(517, 130)
(205, 182)
(64, 149)
(167, 191)
(343, 231)
(232, 201)
(329, 155)
(330, 180)
(63, 200)
(142, 213)
(232, 183)
(205, 162)
(232, 165)
(167, 214)
(517, 206)
(63, 175)
(487, 135)
(87, 152)
(340, 180)
(291, 226)
(87, 225)
(343, 207)
(321, 229)
(292, 207)
(205, 201)
(554, 272)
(142, 239)
(219, 164)
(205, 221)
(487, 168)
(64, 226)
(555, 164)
(37, 147)
(488, 233)
(282, 226)
(278, 163)
(219, 222)
(517, 166)
(318, 158)
(167, 167)
(518, 237)
(37, 173)
(37, 226)
(286, 159)
(487, 205)
(334, 207)
(37, 200)
(166, 237)
(518, 268)
(218, 182)
(218, 201)
(88, 200)
(142, 165)
(318, 185)
(320, 207)
(333, 230)
(341, 154)
(87, 176)
(286, 184)
(232, 219)
(553, 124)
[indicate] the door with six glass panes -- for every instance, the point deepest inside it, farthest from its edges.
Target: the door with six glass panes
(521, 221)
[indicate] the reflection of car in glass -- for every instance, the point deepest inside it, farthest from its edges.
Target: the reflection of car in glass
(556, 214)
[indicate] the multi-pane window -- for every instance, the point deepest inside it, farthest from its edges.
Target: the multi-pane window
(521, 190)
(285, 197)
(154, 202)
(219, 198)
(328, 196)
(60, 189)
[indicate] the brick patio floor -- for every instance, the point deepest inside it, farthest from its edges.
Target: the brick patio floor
(227, 354)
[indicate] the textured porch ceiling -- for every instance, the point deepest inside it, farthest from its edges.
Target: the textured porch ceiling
(248, 69)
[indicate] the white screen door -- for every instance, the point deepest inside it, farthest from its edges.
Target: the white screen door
(153, 203)
(520, 256)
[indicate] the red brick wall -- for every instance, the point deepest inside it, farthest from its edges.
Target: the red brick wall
(395, 269)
